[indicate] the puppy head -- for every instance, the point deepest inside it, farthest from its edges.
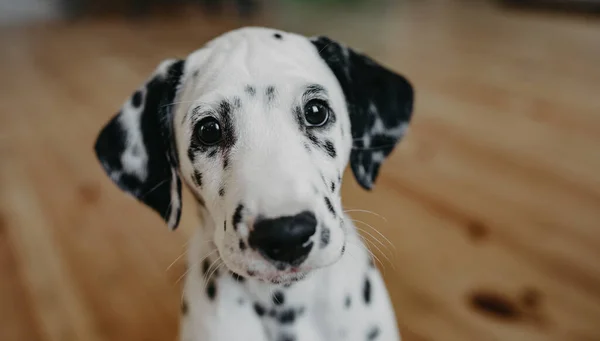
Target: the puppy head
(260, 125)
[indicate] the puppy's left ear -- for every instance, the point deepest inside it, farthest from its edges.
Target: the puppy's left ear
(137, 149)
(380, 105)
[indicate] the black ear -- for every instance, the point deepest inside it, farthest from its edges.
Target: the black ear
(380, 105)
(137, 148)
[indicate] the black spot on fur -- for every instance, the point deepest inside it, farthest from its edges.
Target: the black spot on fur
(329, 206)
(325, 236)
(211, 290)
(212, 153)
(278, 298)
(226, 162)
(373, 333)
(237, 277)
(222, 191)
(242, 245)
(197, 178)
(250, 90)
(237, 216)
(278, 36)
(287, 316)
(343, 249)
(195, 74)
(270, 93)
(330, 148)
(184, 307)
(136, 99)
(367, 290)
(225, 225)
(259, 309)
(237, 103)
(205, 266)
(332, 187)
(348, 302)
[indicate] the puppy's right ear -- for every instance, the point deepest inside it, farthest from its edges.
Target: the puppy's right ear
(137, 148)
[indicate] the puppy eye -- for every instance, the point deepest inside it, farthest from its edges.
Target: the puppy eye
(316, 113)
(208, 131)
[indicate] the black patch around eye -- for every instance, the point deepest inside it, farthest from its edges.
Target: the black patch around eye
(314, 89)
(259, 309)
(136, 99)
(278, 36)
(212, 153)
(237, 216)
(367, 290)
(211, 290)
(325, 236)
(242, 245)
(270, 93)
(278, 298)
(250, 90)
(221, 191)
(330, 148)
(373, 333)
(330, 206)
(197, 178)
(229, 135)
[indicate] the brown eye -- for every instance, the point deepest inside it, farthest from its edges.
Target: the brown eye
(208, 131)
(316, 113)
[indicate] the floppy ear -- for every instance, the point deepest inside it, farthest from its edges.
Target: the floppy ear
(380, 104)
(137, 148)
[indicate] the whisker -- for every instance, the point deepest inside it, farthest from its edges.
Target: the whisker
(153, 188)
(194, 265)
(367, 211)
(176, 259)
(365, 248)
(375, 238)
(380, 252)
(379, 233)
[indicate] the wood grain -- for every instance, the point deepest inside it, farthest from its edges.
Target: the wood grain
(491, 204)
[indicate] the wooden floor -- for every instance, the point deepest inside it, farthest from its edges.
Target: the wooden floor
(492, 202)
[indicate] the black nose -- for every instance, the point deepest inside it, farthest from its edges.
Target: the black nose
(284, 239)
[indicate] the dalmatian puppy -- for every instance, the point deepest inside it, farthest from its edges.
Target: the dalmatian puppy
(260, 124)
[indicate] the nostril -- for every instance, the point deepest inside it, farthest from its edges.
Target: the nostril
(285, 238)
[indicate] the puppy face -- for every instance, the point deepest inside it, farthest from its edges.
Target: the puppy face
(260, 125)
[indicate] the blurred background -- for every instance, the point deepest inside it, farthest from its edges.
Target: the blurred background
(492, 202)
